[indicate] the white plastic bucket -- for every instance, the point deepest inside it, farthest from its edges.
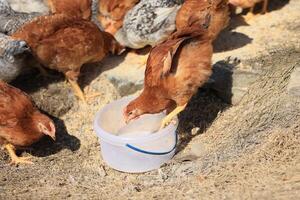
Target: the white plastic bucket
(140, 148)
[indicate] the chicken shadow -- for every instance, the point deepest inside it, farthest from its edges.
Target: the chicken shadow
(90, 72)
(230, 40)
(206, 104)
(46, 146)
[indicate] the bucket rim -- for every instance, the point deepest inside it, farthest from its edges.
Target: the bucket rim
(108, 137)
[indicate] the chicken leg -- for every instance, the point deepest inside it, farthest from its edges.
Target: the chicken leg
(77, 90)
(250, 14)
(14, 158)
(171, 115)
(265, 7)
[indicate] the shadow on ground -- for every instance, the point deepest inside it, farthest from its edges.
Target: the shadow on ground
(230, 40)
(204, 107)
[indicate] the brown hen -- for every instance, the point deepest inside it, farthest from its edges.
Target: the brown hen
(197, 12)
(175, 70)
(79, 8)
(65, 43)
(112, 13)
(21, 123)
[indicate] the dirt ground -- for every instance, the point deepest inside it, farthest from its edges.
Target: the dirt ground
(247, 151)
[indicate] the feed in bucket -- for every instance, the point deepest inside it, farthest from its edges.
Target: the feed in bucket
(139, 146)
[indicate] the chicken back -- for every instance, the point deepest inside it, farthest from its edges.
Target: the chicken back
(65, 43)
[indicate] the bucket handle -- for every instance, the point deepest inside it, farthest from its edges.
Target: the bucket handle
(152, 153)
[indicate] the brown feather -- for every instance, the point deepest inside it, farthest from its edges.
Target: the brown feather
(65, 43)
(189, 69)
(79, 8)
(112, 13)
(19, 117)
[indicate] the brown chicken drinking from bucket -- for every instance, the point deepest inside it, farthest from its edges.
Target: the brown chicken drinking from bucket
(21, 123)
(178, 67)
(175, 70)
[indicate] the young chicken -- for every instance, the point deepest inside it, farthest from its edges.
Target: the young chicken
(112, 13)
(79, 8)
(250, 4)
(148, 23)
(10, 20)
(65, 43)
(175, 70)
(12, 55)
(21, 123)
(197, 12)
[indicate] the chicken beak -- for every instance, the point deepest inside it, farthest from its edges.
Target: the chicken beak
(53, 137)
(53, 131)
(126, 119)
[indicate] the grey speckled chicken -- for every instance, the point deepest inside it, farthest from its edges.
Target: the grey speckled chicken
(10, 20)
(95, 6)
(11, 57)
(148, 23)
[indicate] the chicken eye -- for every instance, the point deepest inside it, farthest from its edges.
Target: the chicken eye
(130, 113)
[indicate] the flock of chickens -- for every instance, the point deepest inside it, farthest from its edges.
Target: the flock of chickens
(76, 32)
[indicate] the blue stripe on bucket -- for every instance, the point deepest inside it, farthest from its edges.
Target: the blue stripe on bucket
(153, 153)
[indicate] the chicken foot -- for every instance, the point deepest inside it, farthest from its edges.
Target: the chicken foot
(168, 119)
(250, 14)
(77, 90)
(14, 158)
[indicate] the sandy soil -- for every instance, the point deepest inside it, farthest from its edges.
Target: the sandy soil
(247, 151)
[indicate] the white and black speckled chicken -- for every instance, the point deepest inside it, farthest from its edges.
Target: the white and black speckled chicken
(10, 20)
(11, 57)
(148, 23)
(95, 12)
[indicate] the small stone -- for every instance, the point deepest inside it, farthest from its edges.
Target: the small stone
(195, 131)
(230, 82)
(102, 171)
(197, 149)
(293, 87)
(162, 175)
(127, 76)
